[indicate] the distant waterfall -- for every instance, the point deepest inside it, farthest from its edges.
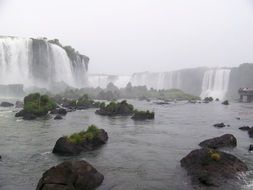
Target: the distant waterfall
(103, 80)
(164, 80)
(215, 83)
(37, 62)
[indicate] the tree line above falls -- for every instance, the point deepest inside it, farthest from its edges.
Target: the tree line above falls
(129, 92)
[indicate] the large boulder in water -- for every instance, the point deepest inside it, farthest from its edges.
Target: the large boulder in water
(226, 140)
(6, 104)
(208, 167)
(71, 175)
(81, 142)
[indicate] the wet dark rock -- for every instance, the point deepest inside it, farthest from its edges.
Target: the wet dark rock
(29, 116)
(71, 175)
(217, 99)
(25, 115)
(81, 142)
(225, 102)
(208, 99)
(19, 104)
(244, 128)
(226, 140)
(251, 147)
(249, 129)
(21, 113)
(208, 167)
(58, 117)
(6, 104)
(59, 111)
(250, 132)
(219, 125)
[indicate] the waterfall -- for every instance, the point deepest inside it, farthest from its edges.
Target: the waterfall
(14, 60)
(163, 80)
(103, 80)
(215, 83)
(38, 62)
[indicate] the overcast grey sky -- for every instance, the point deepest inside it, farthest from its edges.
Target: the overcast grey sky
(122, 37)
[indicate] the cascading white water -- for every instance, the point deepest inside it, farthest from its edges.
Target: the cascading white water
(14, 60)
(164, 80)
(62, 66)
(103, 80)
(37, 62)
(215, 83)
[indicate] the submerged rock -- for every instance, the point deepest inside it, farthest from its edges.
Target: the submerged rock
(208, 167)
(58, 117)
(6, 104)
(81, 142)
(251, 147)
(226, 140)
(219, 125)
(71, 175)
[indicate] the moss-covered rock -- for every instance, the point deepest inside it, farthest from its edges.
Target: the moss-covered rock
(116, 108)
(36, 105)
(81, 142)
(143, 115)
(81, 103)
(208, 167)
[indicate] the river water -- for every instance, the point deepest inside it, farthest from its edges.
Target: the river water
(139, 155)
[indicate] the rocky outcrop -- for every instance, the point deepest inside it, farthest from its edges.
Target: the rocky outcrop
(71, 175)
(6, 104)
(208, 167)
(36, 105)
(116, 109)
(81, 142)
(226, 140)
(143, 115)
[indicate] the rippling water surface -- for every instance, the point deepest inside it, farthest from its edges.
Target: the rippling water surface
(139, 155)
